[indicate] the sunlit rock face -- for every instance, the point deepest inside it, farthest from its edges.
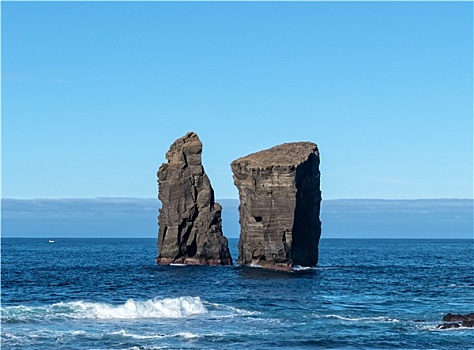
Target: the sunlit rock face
(280, 197)
(190, 225)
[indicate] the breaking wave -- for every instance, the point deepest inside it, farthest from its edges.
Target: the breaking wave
(154, 308)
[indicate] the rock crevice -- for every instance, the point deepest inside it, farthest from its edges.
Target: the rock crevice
(190, 225)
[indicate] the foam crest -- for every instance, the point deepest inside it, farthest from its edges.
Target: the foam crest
(471, 285)
(435, 328)
(367, 319)
(131, 309)
(165, 308)
(303, 268)
(124, 333)
(188, 335)
(255, 266)
(227, 311)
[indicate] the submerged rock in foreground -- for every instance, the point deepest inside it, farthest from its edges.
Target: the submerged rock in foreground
(190, 220)
(457, 320)
(280, 197)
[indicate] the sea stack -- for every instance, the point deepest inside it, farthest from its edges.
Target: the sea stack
(280, 200)
(190, 225)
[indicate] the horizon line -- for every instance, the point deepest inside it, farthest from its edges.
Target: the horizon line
(218, 199)
(322, 238)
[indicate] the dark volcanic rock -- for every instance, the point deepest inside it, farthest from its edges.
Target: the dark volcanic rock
(190, 220)
(457, 317)
(280, 199)
(448, 325)
(457, 320)
(467, 323)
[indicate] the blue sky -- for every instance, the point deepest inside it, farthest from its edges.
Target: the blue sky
(94, 93)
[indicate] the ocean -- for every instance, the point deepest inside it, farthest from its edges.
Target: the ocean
(110, 294)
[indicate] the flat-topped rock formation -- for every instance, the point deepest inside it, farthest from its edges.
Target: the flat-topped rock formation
(190, 225)
(279, 190)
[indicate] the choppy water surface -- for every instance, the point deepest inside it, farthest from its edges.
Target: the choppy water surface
(109, 294)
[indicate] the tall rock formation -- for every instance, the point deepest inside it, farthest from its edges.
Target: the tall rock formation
(280, 199)
(190, 225)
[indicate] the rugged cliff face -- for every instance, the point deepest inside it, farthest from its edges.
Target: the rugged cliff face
(190, 226)
(280, 198)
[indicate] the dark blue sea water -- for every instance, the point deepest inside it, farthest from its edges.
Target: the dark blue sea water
(109, 294)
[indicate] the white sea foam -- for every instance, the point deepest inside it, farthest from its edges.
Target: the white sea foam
(303, 268)
(124, 333)
(366, 319)
(188, 335)
(181, 307)
(227, 311)
(184, 335)
(10, 336)
(154, 308)
(255, 265)
(460, 286)
(78, 333)
(435, 328)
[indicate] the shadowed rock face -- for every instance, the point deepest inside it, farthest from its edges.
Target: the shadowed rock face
(280, 198)
(190, 225)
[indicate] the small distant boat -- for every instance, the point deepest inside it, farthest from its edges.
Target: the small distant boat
(177, 264)
(51, 241)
